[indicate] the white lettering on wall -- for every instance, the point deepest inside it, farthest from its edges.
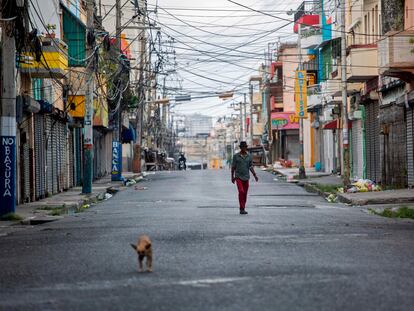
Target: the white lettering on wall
(6, 143)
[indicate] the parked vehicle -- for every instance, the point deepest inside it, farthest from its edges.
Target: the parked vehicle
(258, 154)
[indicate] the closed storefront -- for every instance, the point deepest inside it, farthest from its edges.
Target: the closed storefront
(25, 165)
(61, 154)
(372, 140)
(410, 146)
(77, 168)
(40, 156)
(71, 159)
(51, 182)
(357, 140)
(393, 146)
(102, 155)
(55, 154)
(292, 146)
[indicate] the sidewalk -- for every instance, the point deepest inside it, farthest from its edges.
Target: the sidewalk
(393, 197)
(67, 202)
(291, 174)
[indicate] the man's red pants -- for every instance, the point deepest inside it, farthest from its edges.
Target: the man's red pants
(243, 187)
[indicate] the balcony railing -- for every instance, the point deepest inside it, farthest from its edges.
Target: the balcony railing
(307, 8)
(362, 64)
(395, 54)
(53, 61)
(276, 90)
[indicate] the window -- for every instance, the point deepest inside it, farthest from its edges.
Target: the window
(366, 28)
(379, 25)
(373, 25)
(74, 36)
(37, 88)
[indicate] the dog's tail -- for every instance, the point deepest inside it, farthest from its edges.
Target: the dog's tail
(133, 246)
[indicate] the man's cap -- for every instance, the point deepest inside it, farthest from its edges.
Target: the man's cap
(243, 144)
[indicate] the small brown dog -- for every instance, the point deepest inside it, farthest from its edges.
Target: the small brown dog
(144, 249)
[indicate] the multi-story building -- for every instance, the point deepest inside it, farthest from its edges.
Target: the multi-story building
(44, 156)
(197, 124)
(395, 96)
(51, 104)
(283, 125)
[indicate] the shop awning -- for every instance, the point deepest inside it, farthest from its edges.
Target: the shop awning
(335, 124)
(332, 125)
(128, 135)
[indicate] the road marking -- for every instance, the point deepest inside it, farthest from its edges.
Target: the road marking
(299, 238)
(206, 282)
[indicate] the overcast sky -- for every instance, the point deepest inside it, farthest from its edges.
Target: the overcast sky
(219, 45)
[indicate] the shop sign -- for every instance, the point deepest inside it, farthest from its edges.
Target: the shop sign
(301, 95)
(285, 121)
(116, 161)
(8, 174)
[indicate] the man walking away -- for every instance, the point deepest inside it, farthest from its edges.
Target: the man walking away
(240, 173)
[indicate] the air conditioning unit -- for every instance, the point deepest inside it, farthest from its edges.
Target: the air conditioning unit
(327, 116)
(355, 101)
(356, 115)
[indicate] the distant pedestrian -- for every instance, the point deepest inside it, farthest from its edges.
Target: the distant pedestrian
(242, 165)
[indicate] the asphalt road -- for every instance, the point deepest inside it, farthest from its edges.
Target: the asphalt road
(294, 251)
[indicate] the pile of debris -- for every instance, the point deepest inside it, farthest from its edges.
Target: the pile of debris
(361, 185)
(132, 181)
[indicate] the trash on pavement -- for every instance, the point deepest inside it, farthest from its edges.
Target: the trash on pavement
(286, 163)
(332, 198)
(129, 182)
(141, 188)
(363, 185)
(108, 196)
(145, 174)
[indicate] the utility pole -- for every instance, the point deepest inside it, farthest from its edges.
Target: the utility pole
(251, 113)
(302, 171)
(8, 114)
(244, 118)
(140, 91)
(345, 132)
(116, 173)
(241, 122)
(164, 115)
(88, 118)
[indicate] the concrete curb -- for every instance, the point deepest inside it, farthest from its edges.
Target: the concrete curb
(311, 188)
(345, 200)
(374, 201)
(68, 204)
